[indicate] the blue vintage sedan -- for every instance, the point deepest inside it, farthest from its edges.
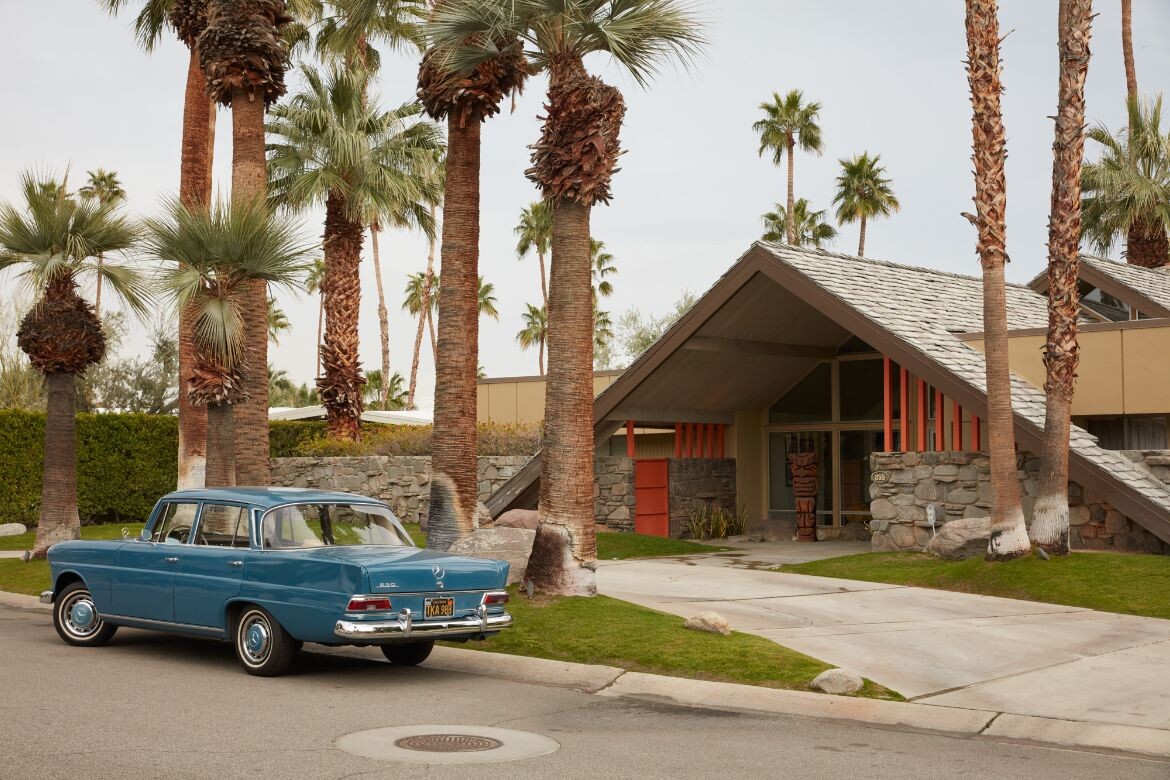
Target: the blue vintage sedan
(271, 568)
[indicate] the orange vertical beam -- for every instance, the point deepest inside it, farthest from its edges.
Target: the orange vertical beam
(709, 448)
(904, 398)
(690, 431)
(956, 427)
(720, 434)
(678, 440)
(630, 438)
(887, 408)
(700, 429)
(921, 415)
(940, 421)
(976, 434)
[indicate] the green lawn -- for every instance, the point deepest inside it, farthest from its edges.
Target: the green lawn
(1113, 582)
(30, 578)
(108, 531)
(601, 630)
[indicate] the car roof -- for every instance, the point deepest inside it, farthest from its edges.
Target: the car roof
(268, 497)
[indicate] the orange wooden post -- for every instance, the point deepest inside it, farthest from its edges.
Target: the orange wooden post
(904, 398)
(709, 448)
(690, 446)
(940, 421)
(976, 434)
(887, 408)
(956, 427)
(921, 415)
(700, 431)
(720, 433)
(629, 438)
(678, 440)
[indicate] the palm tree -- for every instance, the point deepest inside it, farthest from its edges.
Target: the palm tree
(464, 100)
(419, 304)
(1009, 535)
(1131, 87)
(639, 35)
(809, 227)
(187, 18)
(385, 396)
(1127, 191)
(863, 191)
(602, 329)
(602, 266)
(56, 239)
(1050, 522)
(212, 260)
(487, 300)
(104, 187)
(314, 285)
(534, 333)
(244, 59)
(277, 321)
(534, 233)
(331, 147)
(789, 121)
(426, 283)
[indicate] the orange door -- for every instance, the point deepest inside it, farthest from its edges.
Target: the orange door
(651, 498)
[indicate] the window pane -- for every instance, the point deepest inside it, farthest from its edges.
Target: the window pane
(856, 447)
(1145, 433)
(322, 525)
(174, 527)
(223, 526)
(861, 389)
(782, 498)
(811, 400)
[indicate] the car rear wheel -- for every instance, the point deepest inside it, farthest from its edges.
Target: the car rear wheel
(264, 648)
(77, 620)
(408, 654)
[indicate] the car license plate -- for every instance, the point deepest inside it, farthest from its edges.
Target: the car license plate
(438, 608)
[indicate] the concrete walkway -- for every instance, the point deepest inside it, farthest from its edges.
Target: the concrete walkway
(934, 647)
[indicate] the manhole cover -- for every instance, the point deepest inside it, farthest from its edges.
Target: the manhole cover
(448, 743)
(434, 744)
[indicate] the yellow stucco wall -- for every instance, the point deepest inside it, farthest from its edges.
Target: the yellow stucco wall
(520, 399)
(750, 477)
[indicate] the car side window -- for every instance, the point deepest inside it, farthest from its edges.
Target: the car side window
(221, 525)
(174, 527)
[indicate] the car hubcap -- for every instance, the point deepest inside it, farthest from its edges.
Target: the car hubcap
(81, 618)
(256, 639)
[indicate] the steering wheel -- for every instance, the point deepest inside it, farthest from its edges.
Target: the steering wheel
(181, 534)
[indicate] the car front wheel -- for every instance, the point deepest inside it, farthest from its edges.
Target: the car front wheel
(262, 645)
(77, 620)
(409, 654)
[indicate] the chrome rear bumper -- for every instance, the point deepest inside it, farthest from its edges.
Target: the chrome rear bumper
(406, 627)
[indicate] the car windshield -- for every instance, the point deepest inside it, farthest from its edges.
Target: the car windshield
(326, 525)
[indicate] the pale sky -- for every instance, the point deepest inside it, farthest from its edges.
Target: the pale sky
(688, 200)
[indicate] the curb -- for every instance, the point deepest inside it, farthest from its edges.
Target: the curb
(21, 601)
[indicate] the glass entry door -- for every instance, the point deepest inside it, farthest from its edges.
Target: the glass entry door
(783, 489)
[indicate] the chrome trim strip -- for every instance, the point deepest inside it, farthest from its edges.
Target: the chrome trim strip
(406, 627)
(166, 623)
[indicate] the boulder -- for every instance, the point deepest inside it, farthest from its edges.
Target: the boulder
(837, 681)
(12, 529)
(519, 518)
(483, 518)
(711, 622)
(960, 539)
(513, 545)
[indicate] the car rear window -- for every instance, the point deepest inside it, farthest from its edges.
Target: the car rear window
(304, 526)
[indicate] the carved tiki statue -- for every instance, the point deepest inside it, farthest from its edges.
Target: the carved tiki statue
(803, 468)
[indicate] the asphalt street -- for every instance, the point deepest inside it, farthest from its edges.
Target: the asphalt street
(149, 705)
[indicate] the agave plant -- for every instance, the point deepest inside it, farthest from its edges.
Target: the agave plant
(211, 260)
(55, 240)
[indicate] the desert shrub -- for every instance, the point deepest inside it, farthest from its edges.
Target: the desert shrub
(491, 439)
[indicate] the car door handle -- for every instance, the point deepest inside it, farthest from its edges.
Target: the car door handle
(172, 559)
(235, 563)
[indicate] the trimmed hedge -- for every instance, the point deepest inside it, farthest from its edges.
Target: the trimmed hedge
(490, 439)
(125, 462)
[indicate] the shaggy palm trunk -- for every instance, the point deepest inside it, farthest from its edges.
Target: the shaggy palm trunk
(543, 284)
(1009, 535)
(341, 380)
(1050, 527)
(1131, 87)
(423, 317)
(789, 218)
(861, 238)
(457, 358)
(320, 330)
(250, 184)
(59, 520)
(1146, 245)
(434, 338)
(383, 317)
(194, 193)
(221, 462)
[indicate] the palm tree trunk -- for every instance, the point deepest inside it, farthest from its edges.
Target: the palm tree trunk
(543, 283)
(59, 520)
(221, 461)
(424, 316)
(789, 223)
(194, 193)
(340, 385)
(1146, 245)
(457, 358)
(383, 317)
(1131, 86)
(1009, 535)
(250, 184)
(434, 339)
(540, 356)
(1062, 353)
(861, 238)
(565, 549)
(320, 329)
(97, 297)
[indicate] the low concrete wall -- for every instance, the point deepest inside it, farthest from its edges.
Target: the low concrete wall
(698, 482)
(401, 481)
(958, 484)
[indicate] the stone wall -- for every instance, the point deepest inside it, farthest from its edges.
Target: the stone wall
(958, 484)
(613, 492)
(698, 482)
(401, 481)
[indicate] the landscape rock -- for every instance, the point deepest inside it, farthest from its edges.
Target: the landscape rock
(711, 622)
(837, 681)
(961, 539)
(519, 518)
(483, 517)
(513, 545)
(12, 529)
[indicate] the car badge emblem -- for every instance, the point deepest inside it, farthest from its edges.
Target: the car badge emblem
(439, 573)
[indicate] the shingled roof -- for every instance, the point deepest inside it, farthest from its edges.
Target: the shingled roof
(1146, 289)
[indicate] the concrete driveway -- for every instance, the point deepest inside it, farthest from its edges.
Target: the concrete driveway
(931, 646)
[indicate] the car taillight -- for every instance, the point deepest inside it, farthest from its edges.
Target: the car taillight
(368, 604)
(495, 599)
